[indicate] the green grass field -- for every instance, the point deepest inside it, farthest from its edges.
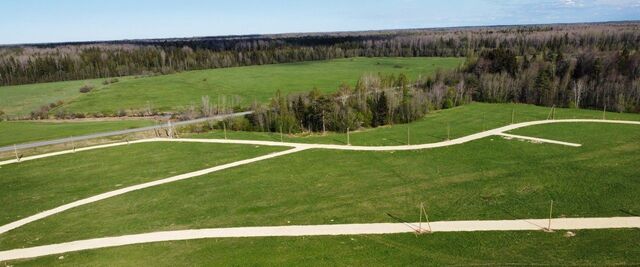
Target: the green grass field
(490, 178)
(18, 132)
(19, 100)
(461, 121)
(38, 185)
(587, 248)
(246, 84)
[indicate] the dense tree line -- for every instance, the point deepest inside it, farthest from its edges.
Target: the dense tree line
(583, 78)
(376, 100)
(57, 62)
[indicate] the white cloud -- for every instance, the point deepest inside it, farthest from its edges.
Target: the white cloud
(569, 2)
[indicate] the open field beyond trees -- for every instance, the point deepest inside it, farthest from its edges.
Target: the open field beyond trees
(238, 86)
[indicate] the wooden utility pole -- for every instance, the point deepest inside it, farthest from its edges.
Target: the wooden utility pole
(281, 134)
(348, 139)
(604, 112)
(408, 135)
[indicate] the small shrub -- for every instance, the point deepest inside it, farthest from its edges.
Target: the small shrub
(86, 88)
(62, 114)
(40, 114)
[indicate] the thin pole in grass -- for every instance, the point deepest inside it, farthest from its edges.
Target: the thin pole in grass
(426, 216)
(448, 131)
(73, 144)
(550, 214)
(15, 150)
(483, 126)
(551, 113)
(224, 128)
(281, 134)
(513, 115)
(324, 128)
(408, 135)
(348, 138)
(604, 112)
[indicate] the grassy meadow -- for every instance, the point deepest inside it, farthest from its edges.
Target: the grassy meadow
(32, 186)
(491, 178)
(434, 127)
(19, 100)
(242, 84)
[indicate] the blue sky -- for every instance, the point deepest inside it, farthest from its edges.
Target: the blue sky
(33, 21)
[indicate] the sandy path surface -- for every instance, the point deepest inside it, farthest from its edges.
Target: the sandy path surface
(324, 230)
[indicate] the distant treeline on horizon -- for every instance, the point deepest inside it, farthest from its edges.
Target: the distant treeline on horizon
(602, 56)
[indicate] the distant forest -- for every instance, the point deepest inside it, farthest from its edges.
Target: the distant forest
(570, 65)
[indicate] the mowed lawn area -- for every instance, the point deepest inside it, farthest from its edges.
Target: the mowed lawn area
(587, 248)
(491, 178)
(18, 132)
(246, 84)
(434, 127)
(33, 186)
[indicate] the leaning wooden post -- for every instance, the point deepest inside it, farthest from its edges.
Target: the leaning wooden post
(483, 127)
(426, 216)
(420, 220)
(324, 128)
(15, 150)
(550, 214)
(224, 127)
(513, 114)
